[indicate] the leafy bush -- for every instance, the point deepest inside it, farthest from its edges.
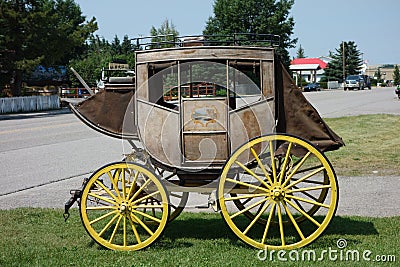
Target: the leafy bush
(323, 85)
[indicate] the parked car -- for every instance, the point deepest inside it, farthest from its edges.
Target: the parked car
(367, 81)
(354, 82)
(312, 87)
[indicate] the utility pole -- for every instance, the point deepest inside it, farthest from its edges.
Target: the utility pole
(344, 63)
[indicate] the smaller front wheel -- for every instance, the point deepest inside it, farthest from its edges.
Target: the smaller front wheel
(124, 206)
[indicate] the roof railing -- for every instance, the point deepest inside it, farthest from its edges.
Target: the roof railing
(236, 39)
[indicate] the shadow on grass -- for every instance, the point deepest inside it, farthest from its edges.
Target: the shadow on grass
(349, 226)
(179, 231)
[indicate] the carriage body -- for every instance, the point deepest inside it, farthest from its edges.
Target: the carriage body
(226, 120)
(195, 105)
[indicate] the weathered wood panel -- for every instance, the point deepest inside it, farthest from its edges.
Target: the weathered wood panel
(159, 133)
(249, 122)
(204, 53)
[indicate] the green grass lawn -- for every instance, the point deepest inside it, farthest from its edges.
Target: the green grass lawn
(40, 237)
(372, 145)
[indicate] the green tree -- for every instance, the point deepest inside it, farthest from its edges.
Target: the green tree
(166, 34)
(46, 32)
(98, 54)
(254, 16)
(396, 75)
(300, 52)
(352, 59)
(378, 76)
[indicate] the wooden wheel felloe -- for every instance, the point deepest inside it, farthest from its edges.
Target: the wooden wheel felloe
(178, 202)
(177, 199)
(278, 192)
(124, 206)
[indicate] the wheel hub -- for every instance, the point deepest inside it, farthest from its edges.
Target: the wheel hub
(123, 208)
(277, 193)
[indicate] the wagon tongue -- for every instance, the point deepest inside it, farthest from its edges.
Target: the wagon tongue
(75, 196)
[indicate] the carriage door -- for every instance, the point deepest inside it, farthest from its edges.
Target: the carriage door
(204, 116)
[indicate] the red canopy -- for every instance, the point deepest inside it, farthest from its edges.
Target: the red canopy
(303, 61)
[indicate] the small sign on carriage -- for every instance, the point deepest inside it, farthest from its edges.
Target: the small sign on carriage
(118, 66)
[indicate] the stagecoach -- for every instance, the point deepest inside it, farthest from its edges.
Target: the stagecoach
(212, 115)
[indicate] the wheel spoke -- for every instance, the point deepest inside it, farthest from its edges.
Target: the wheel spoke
(293, 221)
(247, 184)
(148, 206)
(281, 224)
(249, 195)
(108, 225)
(261, 165)
(309, 201)
(257, 217)
(272, 155)
(309, 169)
(271, 214)
(123, 184)
(108, 200)
(299, 204)
(252, 174)
(152, 209)
(102, 208)
(173, 194)
(310, 196)
(147, 216)
(115, 185)
(99, 183)
(283, 167)
(125, 232)
(145, 197)
(310, 182)
(308, 188)
(304, 213)
(103, 217)
(115, 229)
(139, 191)
(133, 184)
(249, 207)
(142, 224)
(298, 166)
(305, 177)
(135, 232)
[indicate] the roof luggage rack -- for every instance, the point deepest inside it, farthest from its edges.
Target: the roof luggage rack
(236, 39)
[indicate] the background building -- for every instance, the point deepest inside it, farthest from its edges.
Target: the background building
(309, 69)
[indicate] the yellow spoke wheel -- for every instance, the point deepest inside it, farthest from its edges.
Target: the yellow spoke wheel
(278, 192)
(241, 205)
(124, 206)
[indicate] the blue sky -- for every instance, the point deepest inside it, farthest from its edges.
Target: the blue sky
(321, 25)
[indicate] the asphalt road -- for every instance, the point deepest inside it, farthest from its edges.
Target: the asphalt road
(44, 155)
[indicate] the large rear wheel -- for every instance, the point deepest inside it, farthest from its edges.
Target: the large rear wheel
(278, 192)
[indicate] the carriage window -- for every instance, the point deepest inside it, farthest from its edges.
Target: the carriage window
(244, 82)
(203, 79)
(163, 84)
